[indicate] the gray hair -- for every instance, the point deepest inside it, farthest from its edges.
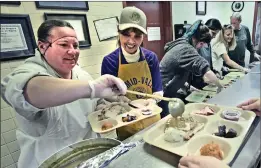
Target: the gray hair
(237, 15)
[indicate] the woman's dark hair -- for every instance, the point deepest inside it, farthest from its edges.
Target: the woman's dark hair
(47, 26)
(202, 34)
(127, 31)
(213, 24)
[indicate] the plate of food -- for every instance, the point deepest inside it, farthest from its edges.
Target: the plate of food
(204, 130)
(118, 114)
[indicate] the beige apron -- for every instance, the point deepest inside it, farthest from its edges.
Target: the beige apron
(137, 77)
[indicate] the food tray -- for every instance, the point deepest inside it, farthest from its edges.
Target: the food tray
(200, 96)
(211, 88)
(226, 82)
(229, 146)
(232, 78)
(234, 70)
(117, 122)
(236, 75)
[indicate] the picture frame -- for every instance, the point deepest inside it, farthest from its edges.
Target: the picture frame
(15, 3)
(201, 7)
(79, 23)
(179, 30)
(106, 28)
(17, 37)
(237, 6)
(70, 5)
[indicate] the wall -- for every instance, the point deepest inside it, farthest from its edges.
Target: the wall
(221, 10)
(90, 60)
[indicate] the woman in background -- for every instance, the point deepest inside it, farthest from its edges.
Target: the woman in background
(136, 66)
(221, 44)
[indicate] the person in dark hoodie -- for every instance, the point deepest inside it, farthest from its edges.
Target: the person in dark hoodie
(214, 26)
(181, 60)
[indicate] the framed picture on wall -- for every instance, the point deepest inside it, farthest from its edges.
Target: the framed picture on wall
(17, 37)
(106, 28)
(79, 23)
(72, 5)
(201, 7)
(179, 30)
(16, 3)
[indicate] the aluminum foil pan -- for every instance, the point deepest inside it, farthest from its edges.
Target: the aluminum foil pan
(71, 156)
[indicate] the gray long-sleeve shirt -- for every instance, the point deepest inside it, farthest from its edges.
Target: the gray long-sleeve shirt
(244, 42)
(180, 60)
(42, 132)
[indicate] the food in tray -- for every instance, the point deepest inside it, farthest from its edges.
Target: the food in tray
(129, 118)
(207, 111)
(209, 96)
(233, 115)
(173, 135)
(191, 133)
(102, 116)
(223, 133)
(231, 133)
(140, 104)
(111, 110)
(146, 111)
(106, 125)
(184, 127)
(212, 149)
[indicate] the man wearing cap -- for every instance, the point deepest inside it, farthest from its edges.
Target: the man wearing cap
(136, 66)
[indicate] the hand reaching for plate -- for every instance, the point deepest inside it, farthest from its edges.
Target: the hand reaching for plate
(201, 162)
(252, 104)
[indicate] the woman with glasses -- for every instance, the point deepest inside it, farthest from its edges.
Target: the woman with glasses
(224, 41)
(52, 95)
(135, 65)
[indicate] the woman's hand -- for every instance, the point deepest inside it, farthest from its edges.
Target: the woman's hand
(107, 86)
(246, 70)
(252, 104)
(201, 162)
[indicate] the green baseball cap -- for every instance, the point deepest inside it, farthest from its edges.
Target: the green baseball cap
(133, 17)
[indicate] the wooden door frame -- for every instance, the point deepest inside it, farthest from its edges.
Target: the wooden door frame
(167, 24)
(254, 22)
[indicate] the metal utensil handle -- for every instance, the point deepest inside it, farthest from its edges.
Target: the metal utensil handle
(149, 95)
